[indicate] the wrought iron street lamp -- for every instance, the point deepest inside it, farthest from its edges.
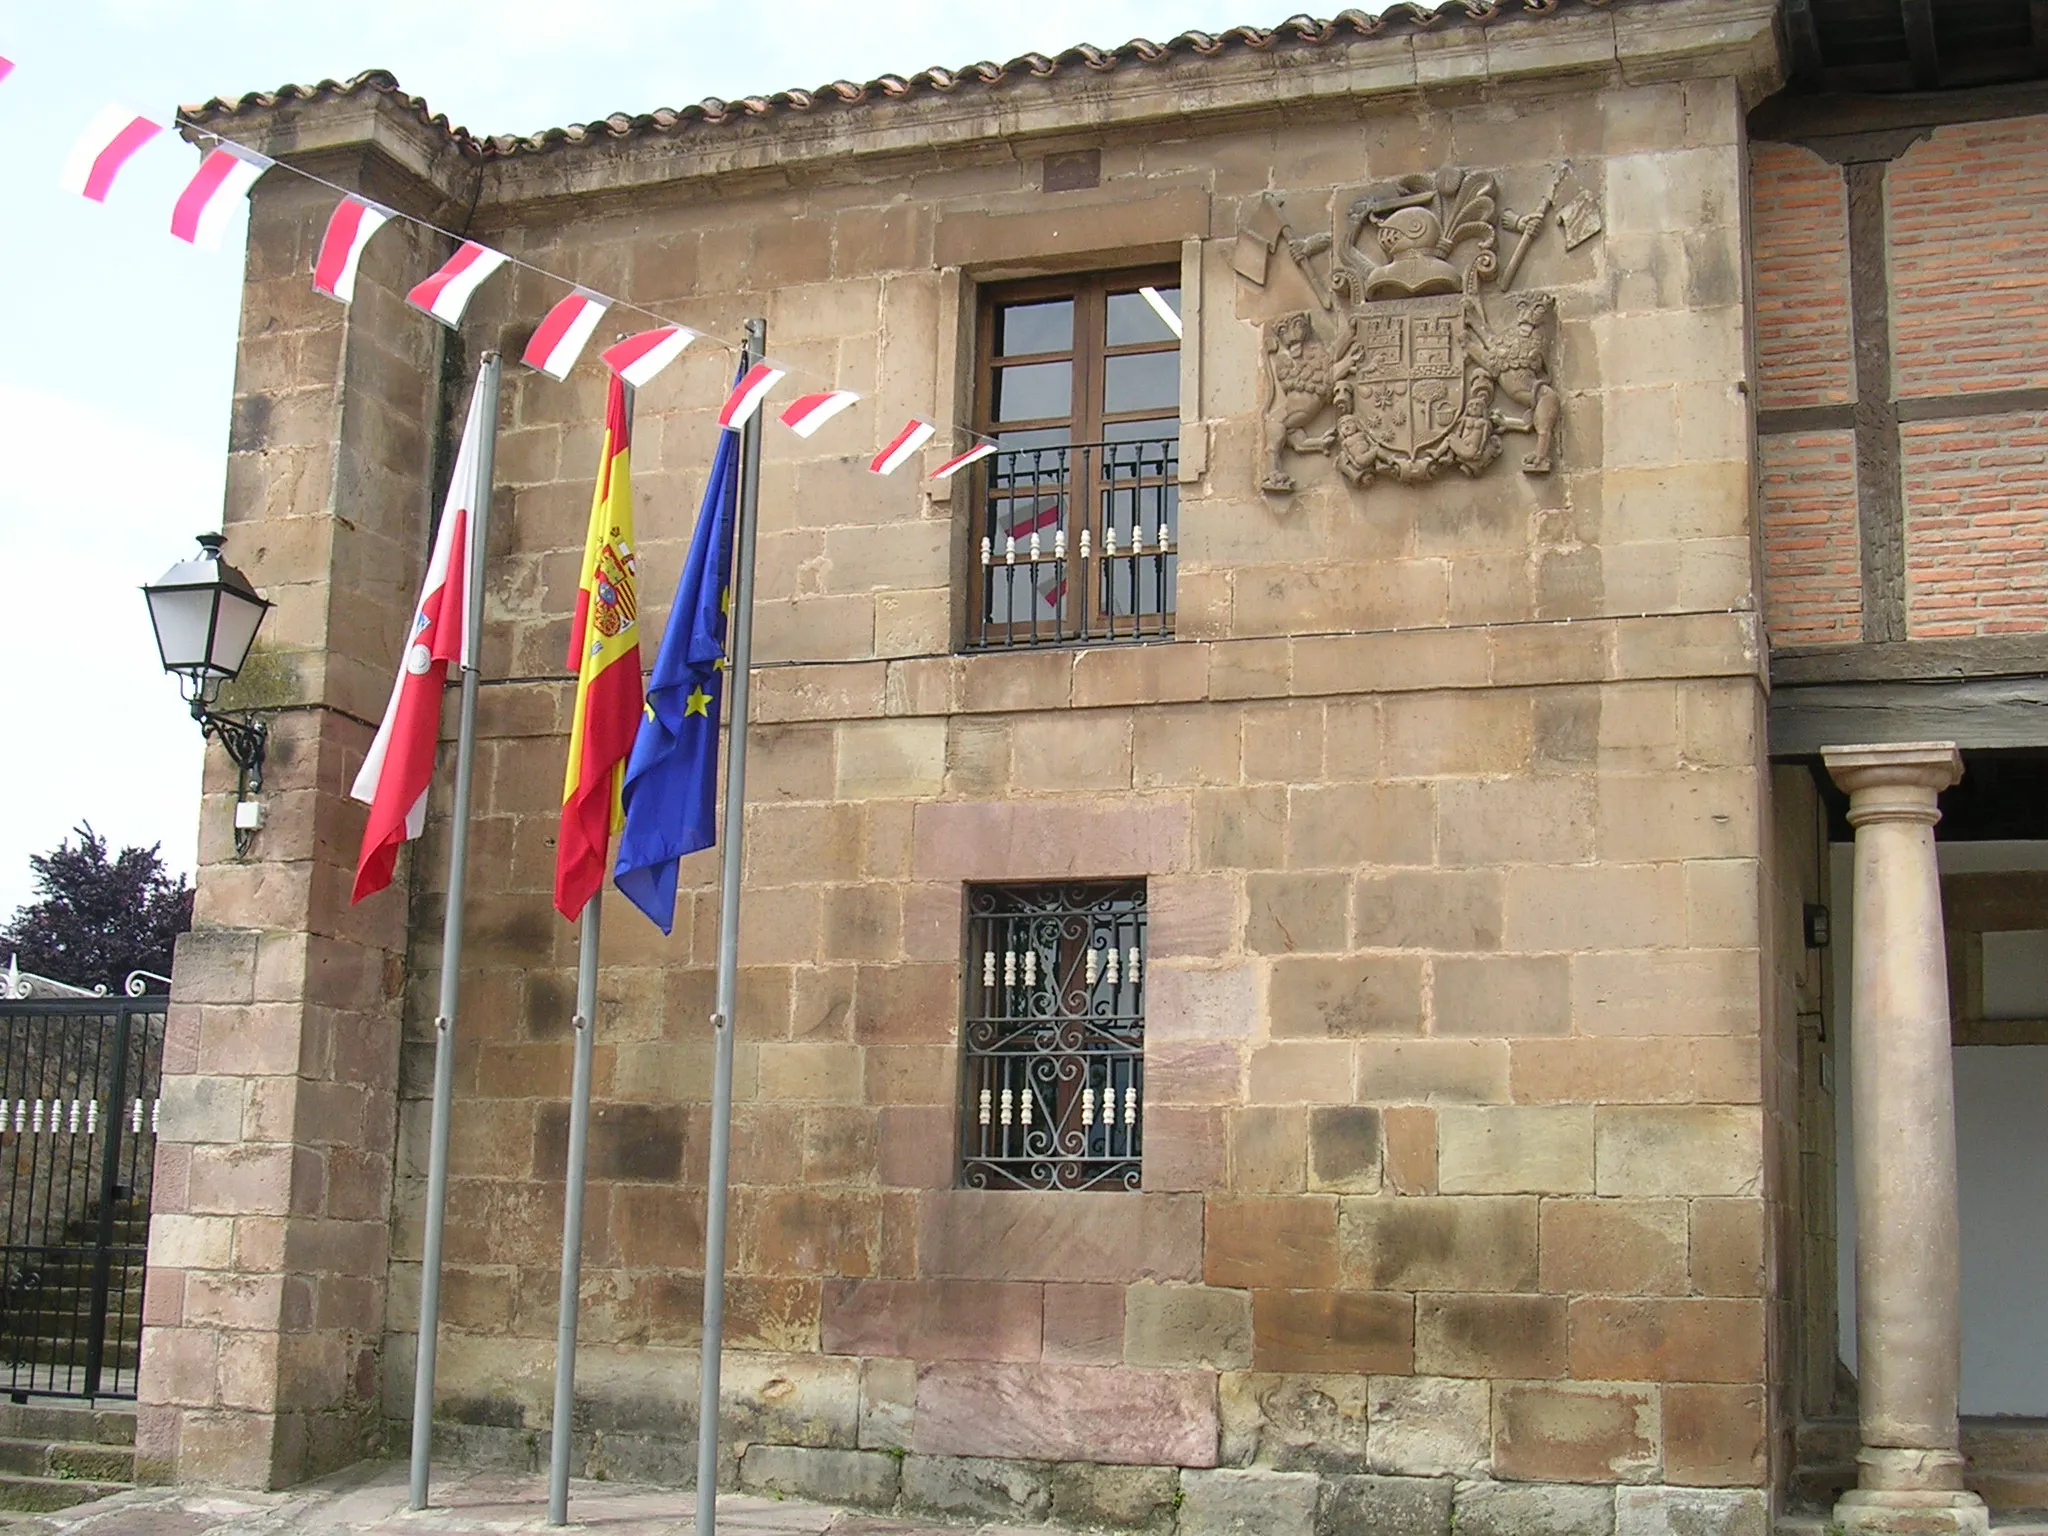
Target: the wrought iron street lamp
(205, 615)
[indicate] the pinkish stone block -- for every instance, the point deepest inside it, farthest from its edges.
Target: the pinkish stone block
(1191, 916)
(932, 1319)
(1201, 1003)
(1027, 1235)
(1067, 1413)
(1193, 1072)
(1084, 1324)
(964, 840)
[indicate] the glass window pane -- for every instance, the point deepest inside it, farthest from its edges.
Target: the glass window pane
(1030, 438)
(1034, 390)
(1024, 328)
(1132, 319)
(1152, 432)
(1143, 382)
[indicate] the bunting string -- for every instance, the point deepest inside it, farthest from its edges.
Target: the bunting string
(228, 170)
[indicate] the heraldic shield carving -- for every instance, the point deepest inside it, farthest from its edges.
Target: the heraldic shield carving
(1413, 374)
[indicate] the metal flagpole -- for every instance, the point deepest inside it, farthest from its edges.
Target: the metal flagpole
(572, 1203)
(572, 1216)
(451, 941)
(739, 655)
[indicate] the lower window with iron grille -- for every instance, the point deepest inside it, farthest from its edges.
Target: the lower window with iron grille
(1053, 1043)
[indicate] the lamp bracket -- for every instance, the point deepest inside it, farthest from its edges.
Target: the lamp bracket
(243, 738)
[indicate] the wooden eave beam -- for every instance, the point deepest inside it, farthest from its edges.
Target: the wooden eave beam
(1919, 19)
(1802, 36)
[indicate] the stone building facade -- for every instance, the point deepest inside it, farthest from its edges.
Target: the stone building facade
(1464, 802)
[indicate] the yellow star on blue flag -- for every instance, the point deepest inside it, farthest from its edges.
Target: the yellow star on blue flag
(671, 790)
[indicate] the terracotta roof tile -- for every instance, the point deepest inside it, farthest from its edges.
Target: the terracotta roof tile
(1295, 32)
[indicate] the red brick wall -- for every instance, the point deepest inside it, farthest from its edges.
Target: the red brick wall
(1799, 221)
(1812, 571)
(1969, 258)
(1977, 525)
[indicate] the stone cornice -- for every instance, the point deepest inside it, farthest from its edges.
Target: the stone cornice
(1635, 42)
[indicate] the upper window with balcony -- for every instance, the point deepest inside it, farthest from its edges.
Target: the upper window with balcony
(1076, 513)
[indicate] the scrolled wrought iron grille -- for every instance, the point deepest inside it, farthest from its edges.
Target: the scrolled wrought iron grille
(1054, 1037)
(1078, 542)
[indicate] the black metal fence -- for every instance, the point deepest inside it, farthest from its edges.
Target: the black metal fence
(78, 1109)
(1076, 542)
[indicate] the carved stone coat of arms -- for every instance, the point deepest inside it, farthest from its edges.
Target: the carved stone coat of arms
(1413, 374)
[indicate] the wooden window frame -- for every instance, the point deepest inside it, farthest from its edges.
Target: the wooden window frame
(1087, 618)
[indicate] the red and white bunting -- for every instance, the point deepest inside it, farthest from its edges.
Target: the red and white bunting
(110, 140)
(747, 395)
(349, 229)
(200, 216)
(639, 358)
(960, 461)
(560, 339)
(447, 293)
(900, 447)
(807, 413)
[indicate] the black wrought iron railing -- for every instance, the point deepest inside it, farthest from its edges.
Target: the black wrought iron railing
(1054, 1044)
(78, 1112)
(1076, 542)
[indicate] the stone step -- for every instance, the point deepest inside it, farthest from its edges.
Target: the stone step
(43, 1458)
(47, 1493)
(70, 1423)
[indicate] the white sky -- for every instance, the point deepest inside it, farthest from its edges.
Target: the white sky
(117, 341)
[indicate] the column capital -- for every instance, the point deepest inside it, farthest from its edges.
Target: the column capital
(1894, 781)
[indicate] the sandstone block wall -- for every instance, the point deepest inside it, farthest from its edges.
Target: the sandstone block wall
(1464, 1156)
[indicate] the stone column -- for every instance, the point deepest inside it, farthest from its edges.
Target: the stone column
(265, 1310)
(1908, 1329)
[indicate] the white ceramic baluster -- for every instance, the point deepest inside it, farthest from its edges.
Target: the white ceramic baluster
(1008, 1098)
(1087, 1106)
(136, 1124)
(1059, 543)
(1010, 553)
(985, 1097)
(987, 551)
(1109, 967)
(988, 968)
(1024, 1107)
(1034, 543)
(1131, 1105)
(1009, 967)
(36, 1120)
(1094, 965)
(1131, 970)
(92, 1117)
(1030, 967)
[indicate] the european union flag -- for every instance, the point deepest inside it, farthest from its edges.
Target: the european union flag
(671, 791)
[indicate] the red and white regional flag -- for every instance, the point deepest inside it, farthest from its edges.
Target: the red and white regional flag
(349, 228)
(110, 140)
(560, 337)
(446, 294)
(400, 762)
(208, 201)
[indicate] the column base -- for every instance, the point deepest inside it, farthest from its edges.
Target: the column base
(1912, 1512)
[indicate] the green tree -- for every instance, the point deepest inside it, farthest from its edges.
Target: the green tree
(95, 918)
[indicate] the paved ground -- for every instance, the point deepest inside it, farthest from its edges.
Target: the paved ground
(372, 1499)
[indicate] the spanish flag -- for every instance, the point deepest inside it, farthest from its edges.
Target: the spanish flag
(604, 653)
